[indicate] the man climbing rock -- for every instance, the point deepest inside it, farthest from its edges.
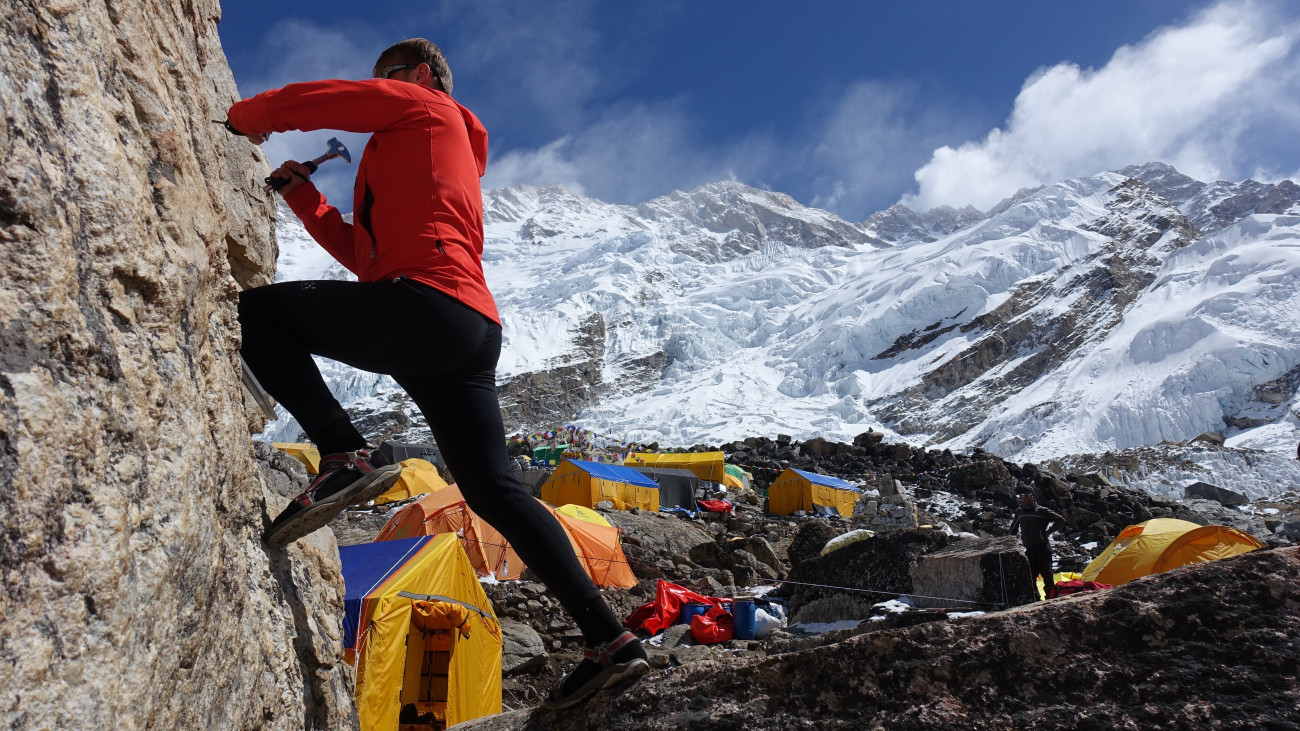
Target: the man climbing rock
(421, 313)
(1035, 523)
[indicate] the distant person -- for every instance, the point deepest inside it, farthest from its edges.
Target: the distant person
(1035, 523)
(421, 313)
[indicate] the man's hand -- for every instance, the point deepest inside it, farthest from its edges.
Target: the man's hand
(256, 139)
(296, 172)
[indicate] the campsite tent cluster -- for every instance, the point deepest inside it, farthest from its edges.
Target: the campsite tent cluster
(424, 637)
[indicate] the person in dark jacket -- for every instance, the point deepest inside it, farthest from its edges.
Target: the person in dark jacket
(420, 312)
(1035, 523)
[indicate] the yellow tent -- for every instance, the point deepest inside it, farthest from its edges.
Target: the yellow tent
(581, 513)
(419, 477)
(705, 465)
(305, 453)
(421, 633)
(587, 483)
(795, 490)
(1161, 544)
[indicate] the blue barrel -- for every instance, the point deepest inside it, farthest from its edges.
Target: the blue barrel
(742, 612)
(692, 609)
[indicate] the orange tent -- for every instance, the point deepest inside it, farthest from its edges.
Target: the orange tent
(599, 549)
(445, 511)
(1161, 544)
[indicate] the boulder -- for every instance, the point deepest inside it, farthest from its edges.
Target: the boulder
(763, 551)
(881, 564)
(663, 538)
(991, 475)
(729, 556)
(521, 647)
(972, 574)
(675, 635)
(819, 446)
(1218, 494)
(1210, 437)
(808, 543)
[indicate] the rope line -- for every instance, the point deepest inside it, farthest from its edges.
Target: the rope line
(801, 583)
(889, 593)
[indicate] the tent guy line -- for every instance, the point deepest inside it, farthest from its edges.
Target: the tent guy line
(887, 593)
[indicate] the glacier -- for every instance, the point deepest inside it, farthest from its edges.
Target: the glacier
(1096, 314)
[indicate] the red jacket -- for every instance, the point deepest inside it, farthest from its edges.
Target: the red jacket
(417, 205)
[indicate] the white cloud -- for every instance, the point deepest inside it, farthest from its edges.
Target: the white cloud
(1188, 95)
(632, 153)
(295, 50)
(865, 146)
(542, 167)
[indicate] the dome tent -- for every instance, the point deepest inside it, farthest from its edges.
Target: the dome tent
(1161, 544)
(419, 477)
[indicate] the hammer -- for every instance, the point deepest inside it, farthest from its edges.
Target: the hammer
(336, 149)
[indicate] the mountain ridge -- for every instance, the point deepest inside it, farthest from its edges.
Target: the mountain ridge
(1080, 316)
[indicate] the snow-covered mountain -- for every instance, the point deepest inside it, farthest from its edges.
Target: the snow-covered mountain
(1095, 314)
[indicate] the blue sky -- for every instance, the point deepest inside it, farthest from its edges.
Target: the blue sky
(849, 106)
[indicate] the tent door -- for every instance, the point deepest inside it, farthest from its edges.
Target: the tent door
(424, 696)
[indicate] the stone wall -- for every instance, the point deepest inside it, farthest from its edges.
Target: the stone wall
(137, 591)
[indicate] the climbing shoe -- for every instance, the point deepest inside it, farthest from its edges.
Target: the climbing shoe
(613, 663)
(345, 478)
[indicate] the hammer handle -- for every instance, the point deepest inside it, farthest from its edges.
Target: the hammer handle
(277, 183)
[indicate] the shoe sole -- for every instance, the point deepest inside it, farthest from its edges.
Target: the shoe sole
(365, 489)
(618, 675)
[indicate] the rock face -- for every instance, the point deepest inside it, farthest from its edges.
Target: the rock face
(137, 591)
(1210, 645)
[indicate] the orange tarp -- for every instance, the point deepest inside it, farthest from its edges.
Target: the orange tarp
(597, 546)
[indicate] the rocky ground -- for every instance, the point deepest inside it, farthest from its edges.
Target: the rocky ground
(1214, 645)
(925, 508)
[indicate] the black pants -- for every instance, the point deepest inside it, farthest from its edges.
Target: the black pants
(1040, 564)
(444, 355)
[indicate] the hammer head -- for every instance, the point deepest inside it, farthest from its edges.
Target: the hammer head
(337, 149)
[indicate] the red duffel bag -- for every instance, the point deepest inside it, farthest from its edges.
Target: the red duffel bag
(714, 626)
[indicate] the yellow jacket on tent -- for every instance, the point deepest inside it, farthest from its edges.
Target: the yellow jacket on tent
(705, 465)
(419, 477)
(1161, 544)
(427, 620)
